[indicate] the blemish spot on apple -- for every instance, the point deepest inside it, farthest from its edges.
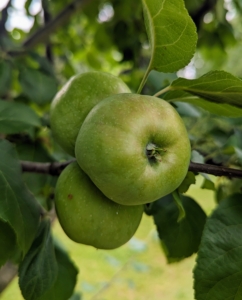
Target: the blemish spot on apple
(70, 196)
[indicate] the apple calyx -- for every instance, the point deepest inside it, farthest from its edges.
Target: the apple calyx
(154, 152)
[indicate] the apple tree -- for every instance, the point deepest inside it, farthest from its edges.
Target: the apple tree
(186, 53)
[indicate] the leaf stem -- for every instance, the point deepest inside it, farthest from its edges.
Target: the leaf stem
(163, 91)
(182, 213)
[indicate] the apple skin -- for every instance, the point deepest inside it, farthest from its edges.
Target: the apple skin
(88, 217)
(118, 148)
(75, 100)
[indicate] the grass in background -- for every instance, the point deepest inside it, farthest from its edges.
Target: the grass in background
(135, 271)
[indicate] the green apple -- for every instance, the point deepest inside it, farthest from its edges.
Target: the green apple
(135, 148)
(75, 100)
(7, 242)
(88, 217)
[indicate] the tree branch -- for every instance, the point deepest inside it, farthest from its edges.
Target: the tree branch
(42, 34)
(55, 168)
(47, 19)
(215, 170)
(4, 18)
(7, 274)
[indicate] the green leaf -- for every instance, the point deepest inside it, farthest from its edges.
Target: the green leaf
(41, 185)
(197, 157)
(17, 117)
(7, 242)
(18, 207)
(189, 179)
(218, 272)
(171, 32)
(27, 5)
(5, 76)
(39, 269)
(208, 183)
(76, 296)
(187, 110)
(221, 109)
(179, 240)
(44, 64)
(217, 87)
(39, 87)
(66, 279)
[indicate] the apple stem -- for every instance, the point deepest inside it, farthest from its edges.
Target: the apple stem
(154, 152)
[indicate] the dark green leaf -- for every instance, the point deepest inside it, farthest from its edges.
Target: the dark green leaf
(17, 117)
(7, 242)
(218, 272)
(41, 185)
(5, 76)
(66, 279)
(76, 296)
(216, 86)
(39, 87)
(17, 205)
(179, 240)
(227, 187)
(39, 269)
(171, 32)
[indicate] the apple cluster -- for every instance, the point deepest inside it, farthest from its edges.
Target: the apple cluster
(130, 150)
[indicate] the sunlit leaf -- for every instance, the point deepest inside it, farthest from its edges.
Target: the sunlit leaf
(171, 32)
(217, 87)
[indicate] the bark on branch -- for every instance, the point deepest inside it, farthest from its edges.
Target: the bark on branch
(55, 168)
(7, 274)
(43, 33)
(215, 170)
(4, 17)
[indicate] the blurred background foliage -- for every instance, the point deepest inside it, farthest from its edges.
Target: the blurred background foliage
(44, 42)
